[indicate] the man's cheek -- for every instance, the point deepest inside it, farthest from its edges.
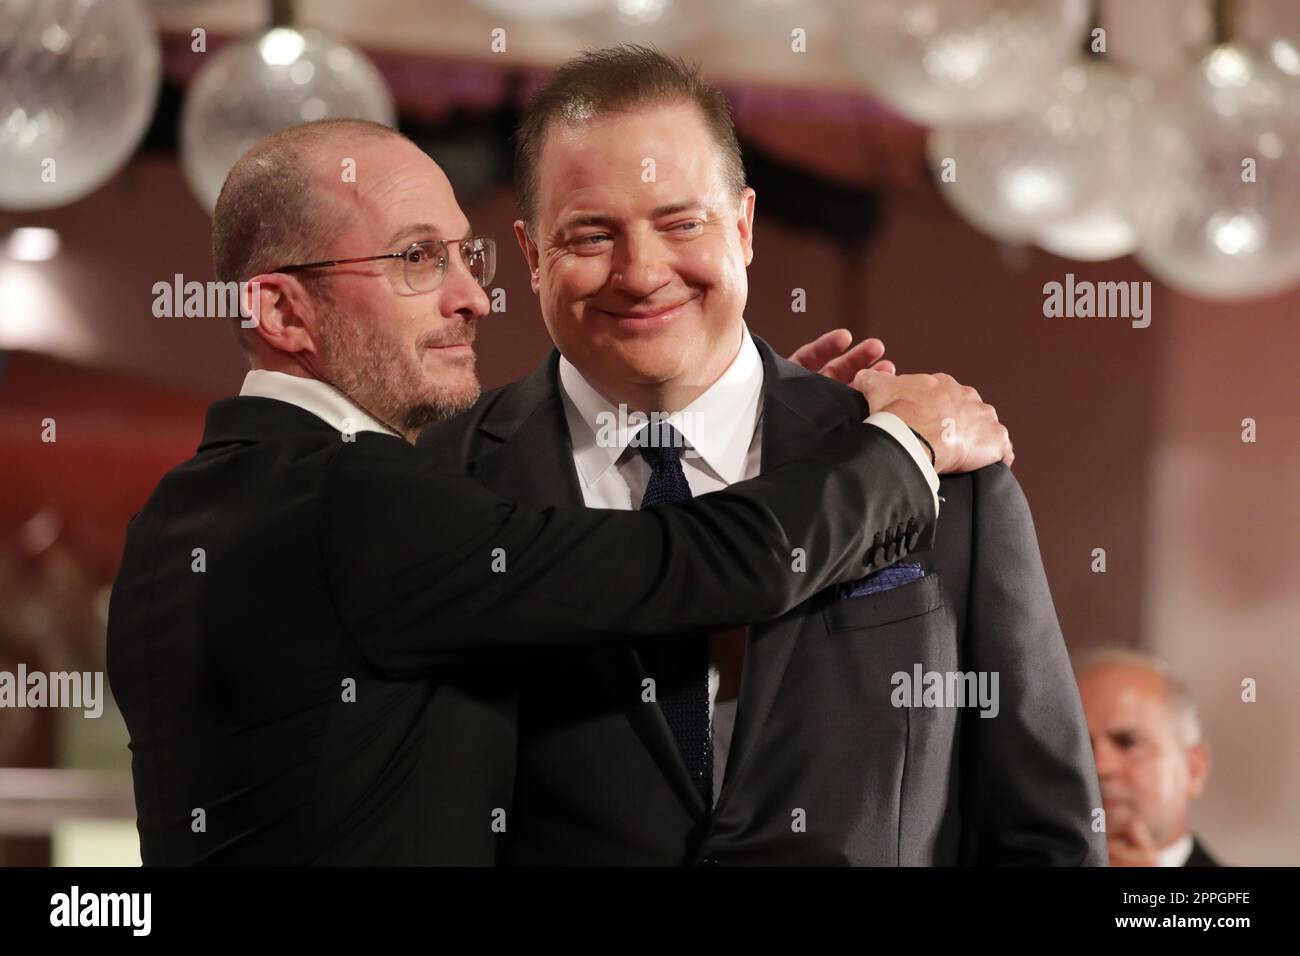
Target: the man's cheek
(583, 276)
(713, 268)
(731, 278)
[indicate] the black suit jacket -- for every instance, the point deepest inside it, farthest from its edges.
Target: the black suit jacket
(299, 629)
(1199, 857)
(822, 769)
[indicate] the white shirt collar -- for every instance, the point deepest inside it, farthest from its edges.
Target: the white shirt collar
(718, 426)
(1176, 853)
(320, 398)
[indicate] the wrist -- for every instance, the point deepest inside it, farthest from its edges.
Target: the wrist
(928, 447)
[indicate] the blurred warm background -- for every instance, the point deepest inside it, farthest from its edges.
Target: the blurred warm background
(1126, 161)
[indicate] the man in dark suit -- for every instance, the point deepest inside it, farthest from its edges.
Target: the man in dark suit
(304, 633)
(1152, 758)
(924, 715)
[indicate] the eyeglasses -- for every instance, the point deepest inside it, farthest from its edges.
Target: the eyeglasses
(424, 263)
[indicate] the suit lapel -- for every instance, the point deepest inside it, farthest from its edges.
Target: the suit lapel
(797, 412)
(533, 464)
(623, 674)
(533, 460)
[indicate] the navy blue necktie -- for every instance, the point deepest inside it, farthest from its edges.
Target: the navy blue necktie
(680, 668)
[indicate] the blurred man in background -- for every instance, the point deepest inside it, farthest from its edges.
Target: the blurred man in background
(1151, 758)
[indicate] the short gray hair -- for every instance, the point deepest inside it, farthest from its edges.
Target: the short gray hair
(270, 212)
(1182, 705)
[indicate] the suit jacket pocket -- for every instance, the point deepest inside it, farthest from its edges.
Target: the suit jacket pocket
(886, 607)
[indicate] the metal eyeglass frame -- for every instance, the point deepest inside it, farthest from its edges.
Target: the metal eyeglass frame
(428, 245)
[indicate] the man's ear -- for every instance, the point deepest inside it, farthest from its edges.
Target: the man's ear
(529, 249)
(1198, 768)
(745, 222)
(283, 314)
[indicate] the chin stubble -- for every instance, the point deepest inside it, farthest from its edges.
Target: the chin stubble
(377, 375)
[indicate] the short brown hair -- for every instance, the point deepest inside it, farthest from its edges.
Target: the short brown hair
(613, 79)
(270, 212)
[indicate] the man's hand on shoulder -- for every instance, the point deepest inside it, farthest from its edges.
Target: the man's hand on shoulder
(962, 428)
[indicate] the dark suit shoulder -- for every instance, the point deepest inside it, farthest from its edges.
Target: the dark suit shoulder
(787, 378)
(790, 381)
(249, 442)
(997, 493)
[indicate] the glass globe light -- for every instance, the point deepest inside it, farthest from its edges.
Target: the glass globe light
(946, 62)
(1103, 231)
(1218, 211)
(272, 80)
(1103, 228)
(1059, 160)
(78, 84)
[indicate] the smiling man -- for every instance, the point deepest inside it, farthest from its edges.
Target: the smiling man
(779, 744)
(643, 299)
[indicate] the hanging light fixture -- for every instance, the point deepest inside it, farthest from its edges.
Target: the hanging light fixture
(1101, 227)
(78, 84)
(1051, 172)
(1218, 211)
(950, 62)
(277, 78)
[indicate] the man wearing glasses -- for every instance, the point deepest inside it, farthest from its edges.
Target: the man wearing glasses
(312, 618)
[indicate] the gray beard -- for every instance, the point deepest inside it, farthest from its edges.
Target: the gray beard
(420, 416)
(360, 372)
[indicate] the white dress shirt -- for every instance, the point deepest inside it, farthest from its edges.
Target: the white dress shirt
(1176, 853)
(723, 444)
(320, 398)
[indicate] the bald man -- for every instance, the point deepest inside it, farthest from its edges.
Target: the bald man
(1151, 759)
(306, 630)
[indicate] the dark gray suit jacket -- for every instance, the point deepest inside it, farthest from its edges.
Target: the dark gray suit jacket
(823, 769)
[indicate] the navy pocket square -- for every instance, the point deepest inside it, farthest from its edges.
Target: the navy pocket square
(896, 575)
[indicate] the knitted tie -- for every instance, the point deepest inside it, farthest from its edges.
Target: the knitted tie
(680, 668)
